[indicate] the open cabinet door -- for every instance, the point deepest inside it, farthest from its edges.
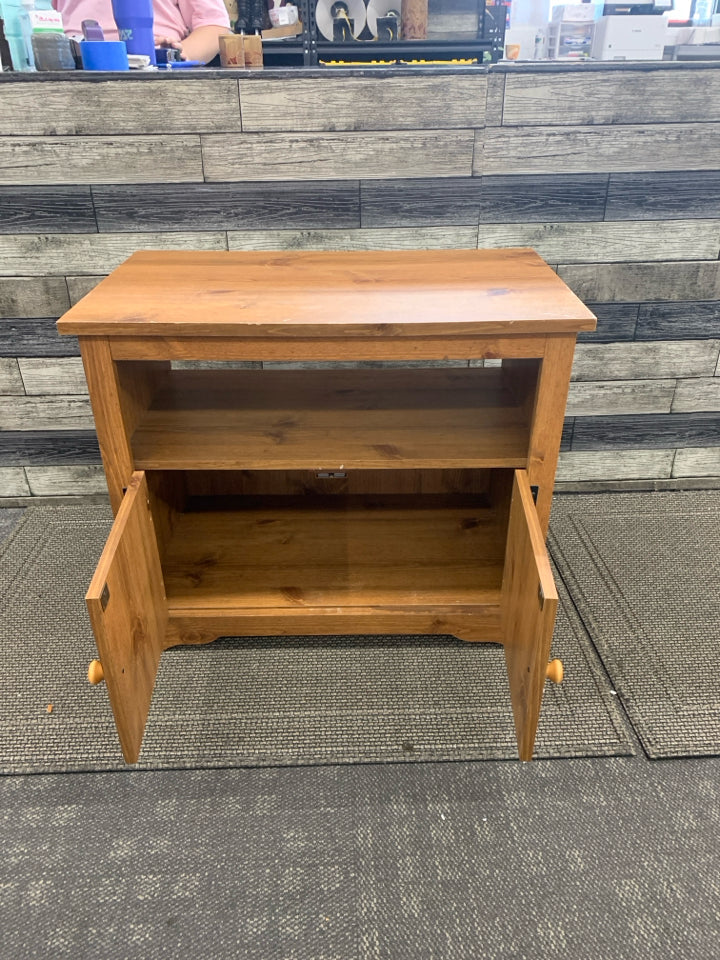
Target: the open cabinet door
(528, 607)
(128, 612)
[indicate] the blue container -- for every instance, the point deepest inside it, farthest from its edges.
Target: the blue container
(104, 55)
(135, 20)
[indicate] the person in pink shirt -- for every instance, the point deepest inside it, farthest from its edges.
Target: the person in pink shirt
(191, 26)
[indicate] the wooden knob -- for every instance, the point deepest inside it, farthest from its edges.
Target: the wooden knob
(96, 674)
(555, 671)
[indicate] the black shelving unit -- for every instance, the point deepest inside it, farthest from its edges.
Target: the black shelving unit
(310, 51)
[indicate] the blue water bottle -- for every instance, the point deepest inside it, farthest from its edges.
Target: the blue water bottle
(135, 20)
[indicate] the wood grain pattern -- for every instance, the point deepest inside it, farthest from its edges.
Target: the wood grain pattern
(428, 202)
(362, 103)
(609, 242)
(528, 609)
(10, 379)
(612, 97)
(13, 482)
(38, 209)
(34, 338)
(120, 159)
(270, 350)
(315, 294)
(112, 432)
(204, 626)
(327, 558)
(652, 360)
(616, 322)
(620, 465)
(701, 393)
(601, 149)
(648, 431)
(494, 99)
(48, 376)
(129, 626)
(644, 281)
(324, 420)
(45, 413)
(620, 396)
(547, 422)
(418, 238)
(30, 297)
(54, 481)
(537, 198)
(679, 321)
(337, 156)
(115, 107)
(79, 286)
(221, 206)
(679, 195)
(92, 253)
(19, 448)
(703, 462)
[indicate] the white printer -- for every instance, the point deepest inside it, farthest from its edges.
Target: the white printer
(629, 38)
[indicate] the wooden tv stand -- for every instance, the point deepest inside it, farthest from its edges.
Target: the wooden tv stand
(377, 499)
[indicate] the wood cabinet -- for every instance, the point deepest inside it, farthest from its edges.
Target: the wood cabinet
(326, 470)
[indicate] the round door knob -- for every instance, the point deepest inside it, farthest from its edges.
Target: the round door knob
(555, 671)
(96, 674)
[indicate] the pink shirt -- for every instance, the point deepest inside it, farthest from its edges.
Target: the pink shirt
(174, 19)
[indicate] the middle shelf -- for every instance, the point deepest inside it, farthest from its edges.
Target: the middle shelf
(337, 419)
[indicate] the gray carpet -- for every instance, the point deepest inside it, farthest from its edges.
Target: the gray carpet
(644, 572)
(264, 702)
(602, 859)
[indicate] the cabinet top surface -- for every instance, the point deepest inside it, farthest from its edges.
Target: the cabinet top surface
(328, 294)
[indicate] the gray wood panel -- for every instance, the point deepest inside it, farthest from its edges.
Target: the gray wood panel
(10, 379)
(361, 103)
(697, 462)
(33, 297)
(535, 199)
(35, 338)
(338, 156)
(420, 238)
(46, 413)
(616, 321)
(675, 146)
(678, 321)
(117, 107)
(647, 431)
(408, 203)
(609, 242)
(651, 360)
(48, 447)
(494, 100)
(53, 160)
(38, 209)
(486, 200)
(643, 281)
(13, 482)
(50, 375)
(221, 206)
(680, 195)
(611, 397)
(611, 97)
(77, 481)
(701, 393)
(92, 253)
(620, 465)
(79, 286)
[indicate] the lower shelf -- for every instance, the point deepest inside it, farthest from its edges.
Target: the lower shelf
(333, 558)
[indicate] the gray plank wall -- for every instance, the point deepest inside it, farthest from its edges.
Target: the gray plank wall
(612, 175)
